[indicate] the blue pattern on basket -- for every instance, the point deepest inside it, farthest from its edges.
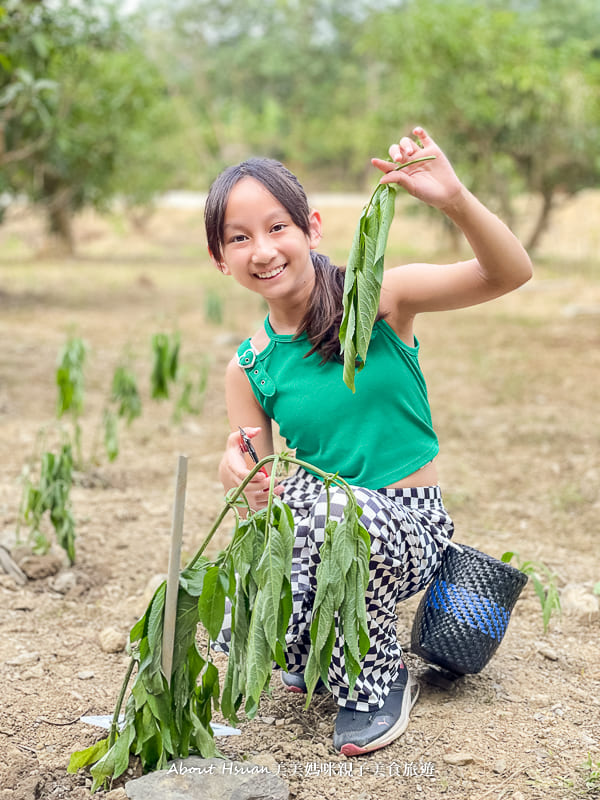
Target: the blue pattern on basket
(469, 607)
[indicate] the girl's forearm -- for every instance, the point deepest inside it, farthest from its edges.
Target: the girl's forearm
(503, 259)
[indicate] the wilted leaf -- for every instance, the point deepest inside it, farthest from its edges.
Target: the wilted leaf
(211, 603)
(362, 280)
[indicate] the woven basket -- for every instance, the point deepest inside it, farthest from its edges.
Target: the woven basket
(464, 613)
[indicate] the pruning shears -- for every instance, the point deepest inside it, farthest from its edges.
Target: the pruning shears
(248, 447)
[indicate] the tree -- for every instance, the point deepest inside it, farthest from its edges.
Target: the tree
(269, 77)
(79, 104)
(518, 107)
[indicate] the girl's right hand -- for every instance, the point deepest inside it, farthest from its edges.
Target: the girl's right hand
(233, 469)
(434, 182)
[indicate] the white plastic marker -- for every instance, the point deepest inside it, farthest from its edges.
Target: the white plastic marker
(104, 721)
(174, 567)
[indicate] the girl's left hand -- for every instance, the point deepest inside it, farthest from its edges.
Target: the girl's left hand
(434, 182)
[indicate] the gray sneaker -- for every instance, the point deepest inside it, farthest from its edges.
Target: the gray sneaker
(358, 732)
(294, 682)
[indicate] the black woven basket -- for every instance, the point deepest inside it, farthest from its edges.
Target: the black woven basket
(463, 615)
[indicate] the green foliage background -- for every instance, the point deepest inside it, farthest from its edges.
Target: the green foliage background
(96, 103)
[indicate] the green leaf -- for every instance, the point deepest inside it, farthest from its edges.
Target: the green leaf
(539, 589)
(113, 763)
(210, 681)
(362, 280)
(242, 547)
(83, 758)
(322, 634)
(259, 663)
(330, 581)
(165, 364)
(111, 434)
(124, 741)
(361, 611)
(155, 628)
(270, 573)
(203, 738)
(192, 578)
(187, 663)
(69, 377)
(139, 694)
(285, 612)
(174, 357)
(234, 685)
(161, 366)
(312, 671)
(343, 546)
(211, 603)
(138, 629)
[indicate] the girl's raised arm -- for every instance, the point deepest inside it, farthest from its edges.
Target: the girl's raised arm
(500, 264)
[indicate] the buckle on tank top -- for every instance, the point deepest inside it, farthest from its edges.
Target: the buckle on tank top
(247, 359)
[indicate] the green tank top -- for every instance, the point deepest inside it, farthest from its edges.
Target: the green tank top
(372, 438)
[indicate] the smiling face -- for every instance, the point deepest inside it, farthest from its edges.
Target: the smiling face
(263, 248)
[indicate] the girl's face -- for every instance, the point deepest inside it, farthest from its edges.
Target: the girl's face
(263, 249)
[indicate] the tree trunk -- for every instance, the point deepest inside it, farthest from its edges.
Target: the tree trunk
(59, 216)
(543, 218)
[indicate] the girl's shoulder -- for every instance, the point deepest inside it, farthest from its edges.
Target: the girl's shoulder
(258, 342)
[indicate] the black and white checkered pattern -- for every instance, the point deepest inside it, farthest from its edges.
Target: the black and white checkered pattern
(409, 530)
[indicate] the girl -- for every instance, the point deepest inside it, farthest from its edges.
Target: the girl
(261, 231)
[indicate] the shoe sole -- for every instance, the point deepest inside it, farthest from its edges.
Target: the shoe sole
(411, 693)
(294, 689)
(319, 688)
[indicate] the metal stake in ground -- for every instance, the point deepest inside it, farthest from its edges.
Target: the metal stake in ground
(174, 567)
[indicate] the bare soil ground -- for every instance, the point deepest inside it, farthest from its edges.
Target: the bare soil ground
(514, 388)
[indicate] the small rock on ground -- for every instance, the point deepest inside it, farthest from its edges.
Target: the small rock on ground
(458, 759)
(38, 567)
(112, 640)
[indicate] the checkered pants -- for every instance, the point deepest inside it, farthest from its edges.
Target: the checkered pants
(409, 530)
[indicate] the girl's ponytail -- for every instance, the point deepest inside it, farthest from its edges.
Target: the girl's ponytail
(323, 317)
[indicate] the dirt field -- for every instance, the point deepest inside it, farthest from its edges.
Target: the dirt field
(514, 388)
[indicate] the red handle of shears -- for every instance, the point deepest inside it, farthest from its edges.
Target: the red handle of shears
(248, 447)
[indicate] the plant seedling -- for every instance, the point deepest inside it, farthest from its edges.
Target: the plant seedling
(166, 719)
(166, 364)
(544, 584)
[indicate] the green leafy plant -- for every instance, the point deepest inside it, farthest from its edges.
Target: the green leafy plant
(213, 307)
(544, 584)
(124, 403)
(125, 394)
(165, 719)
(70, 382)
(596, 589)
(364, 274)
(592, 770)
(165, 351)
(190, 399)
(51, 494)
(110, 424)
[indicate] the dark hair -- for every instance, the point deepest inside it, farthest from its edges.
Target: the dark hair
(323, 316)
